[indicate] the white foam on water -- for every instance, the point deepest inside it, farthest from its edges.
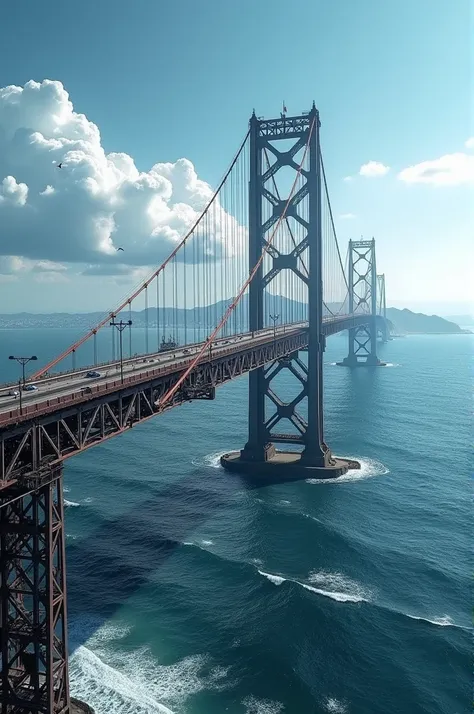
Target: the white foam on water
(275, 579)
(211, 460)
(368, 469)
(69, 536)
(88, 499)
(257, 561)
(332, 585)
(71, 504)
(207, 542)
(337, 586)
(66, 489)
(284, 503)
(444, 621)
(115, 680)
(262, 706)
(335, 706)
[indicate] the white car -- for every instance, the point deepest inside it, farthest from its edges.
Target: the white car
(14, 393)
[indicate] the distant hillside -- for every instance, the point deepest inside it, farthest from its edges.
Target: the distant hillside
(406, 321)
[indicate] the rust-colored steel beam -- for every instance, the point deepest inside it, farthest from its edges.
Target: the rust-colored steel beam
(33, 633)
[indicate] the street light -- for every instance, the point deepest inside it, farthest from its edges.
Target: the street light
(121, 327)
(23, 361)
(274, 318)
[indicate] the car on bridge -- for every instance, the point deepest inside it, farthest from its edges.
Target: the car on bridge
(92, 374)
(30, 388)
(14, 393)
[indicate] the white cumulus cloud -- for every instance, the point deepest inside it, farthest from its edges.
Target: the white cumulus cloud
(449, 170)
(373, 169)
(94, 203)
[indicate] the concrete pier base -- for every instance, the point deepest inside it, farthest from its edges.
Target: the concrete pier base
(348, 362)
(78, 707)
(285, 466)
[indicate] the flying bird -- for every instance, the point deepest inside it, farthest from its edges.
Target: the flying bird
(60, 165)
(119, 249)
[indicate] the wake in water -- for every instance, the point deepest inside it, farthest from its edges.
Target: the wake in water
(114, 680)
(211, 460)
(332, 585)
(368, 469)
(71, 504)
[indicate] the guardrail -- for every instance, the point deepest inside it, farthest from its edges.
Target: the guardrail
(53, 403)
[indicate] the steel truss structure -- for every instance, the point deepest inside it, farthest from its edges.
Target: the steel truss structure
(363, 283)
(52, 437)
(34, 672)
(266, 408)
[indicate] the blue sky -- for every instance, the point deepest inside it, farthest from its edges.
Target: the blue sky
(164, 81)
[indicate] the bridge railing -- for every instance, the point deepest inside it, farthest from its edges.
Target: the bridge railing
(80, 397)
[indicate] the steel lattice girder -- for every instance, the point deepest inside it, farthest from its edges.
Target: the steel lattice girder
(34, 672)
(27, 446)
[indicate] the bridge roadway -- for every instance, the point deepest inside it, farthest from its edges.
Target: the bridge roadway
(70, 413)
(74, 382)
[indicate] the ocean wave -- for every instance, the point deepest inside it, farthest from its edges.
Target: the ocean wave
(335, 706)
(332, 585)
(71, 504)
(444, 621)
(275, 579)
(113, 679)
(210, 460)
(262, 706)
(202, 544)
(368, 469)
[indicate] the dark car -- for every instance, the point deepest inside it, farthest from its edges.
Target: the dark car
(92, 374)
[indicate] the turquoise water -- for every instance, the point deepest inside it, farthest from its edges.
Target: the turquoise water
(192, 593)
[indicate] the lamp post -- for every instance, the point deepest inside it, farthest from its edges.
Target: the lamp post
(23, 361)
(121, 327)
(274, 318)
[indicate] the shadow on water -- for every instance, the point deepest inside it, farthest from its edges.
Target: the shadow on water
(117, 559)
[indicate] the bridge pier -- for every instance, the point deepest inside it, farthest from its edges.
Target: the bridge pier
(267, 411)
(286, 466)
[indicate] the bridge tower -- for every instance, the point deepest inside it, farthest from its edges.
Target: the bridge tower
(363, 283)
(266, 409)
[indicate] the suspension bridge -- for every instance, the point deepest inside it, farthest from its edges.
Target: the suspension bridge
(255, 286)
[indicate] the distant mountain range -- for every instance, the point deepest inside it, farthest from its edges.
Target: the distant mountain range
(404, 321)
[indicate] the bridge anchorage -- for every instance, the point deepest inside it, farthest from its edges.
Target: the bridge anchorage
(364, 287)
(259, 457)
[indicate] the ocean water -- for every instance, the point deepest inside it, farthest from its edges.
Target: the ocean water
(192, 593)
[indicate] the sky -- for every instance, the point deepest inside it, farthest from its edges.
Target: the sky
(147, 103)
